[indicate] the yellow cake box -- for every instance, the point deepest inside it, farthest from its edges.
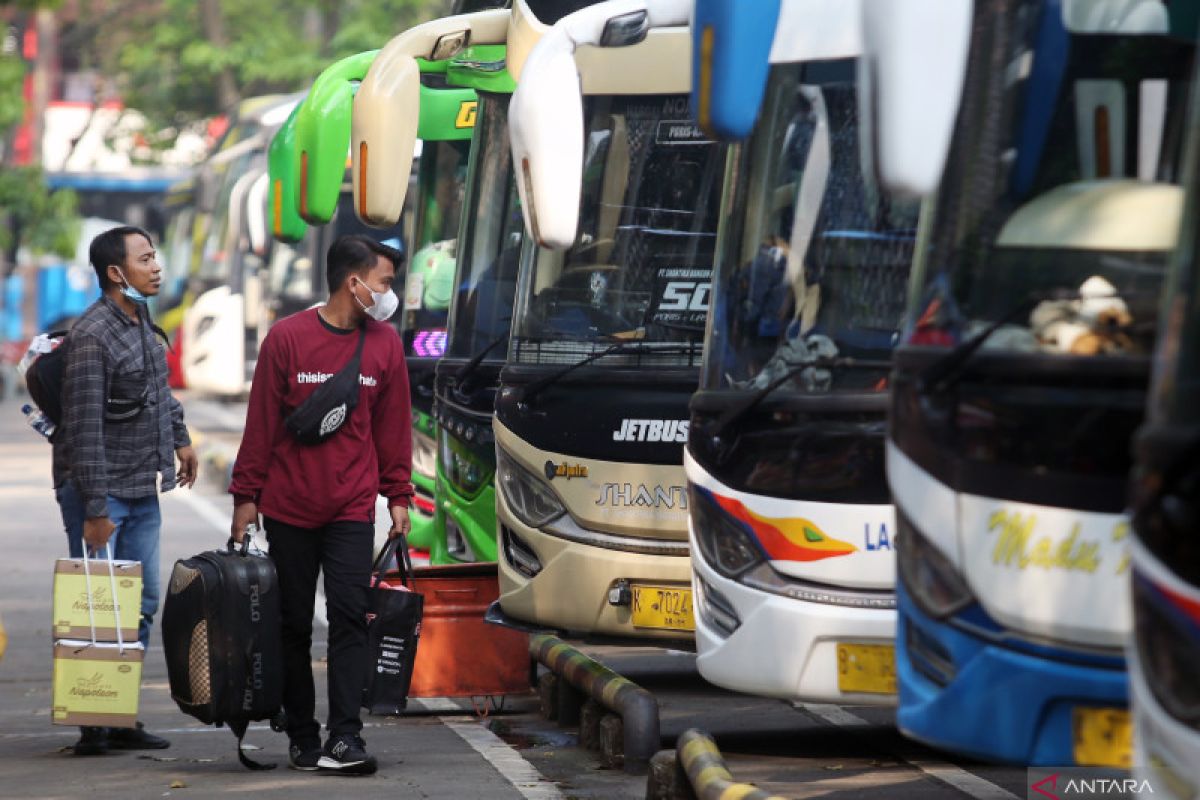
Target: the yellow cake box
(71, 618)
(96, 684)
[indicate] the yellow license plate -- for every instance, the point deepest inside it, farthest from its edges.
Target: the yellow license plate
(867, 668)
(1103, 737)
(665, 607)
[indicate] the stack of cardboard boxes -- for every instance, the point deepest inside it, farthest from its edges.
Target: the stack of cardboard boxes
(97, 656)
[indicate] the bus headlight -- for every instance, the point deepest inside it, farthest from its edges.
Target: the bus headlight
(724, 544)
(934, 583)
(528, 496)
(462, 468)
(1168, 650)
(424, 455)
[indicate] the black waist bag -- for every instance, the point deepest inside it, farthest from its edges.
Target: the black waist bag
(221, 630)
(326, 410)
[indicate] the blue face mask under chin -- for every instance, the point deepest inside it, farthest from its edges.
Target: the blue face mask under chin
(132, 293)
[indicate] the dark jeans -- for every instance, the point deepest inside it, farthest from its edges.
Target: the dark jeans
(343, 551)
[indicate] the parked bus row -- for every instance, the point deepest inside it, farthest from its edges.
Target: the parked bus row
(838, 367)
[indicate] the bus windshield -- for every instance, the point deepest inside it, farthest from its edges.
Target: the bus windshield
(641, 267)
(1060, 200)
(814, 260)
(441, 185)
(492, 232)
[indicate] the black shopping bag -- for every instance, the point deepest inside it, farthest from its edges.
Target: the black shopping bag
(393, 630)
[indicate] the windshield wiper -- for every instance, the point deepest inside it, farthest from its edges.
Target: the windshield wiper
(532, 390)
(736, 412)
(468, 369)
(948, 370)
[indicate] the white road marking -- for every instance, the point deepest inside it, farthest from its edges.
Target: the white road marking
(204, 508)
(970, 784)
(523, 776)
(208, 511)
(437, 705)
(508, 762)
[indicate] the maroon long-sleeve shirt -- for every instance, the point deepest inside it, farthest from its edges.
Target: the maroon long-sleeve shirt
(339, 479)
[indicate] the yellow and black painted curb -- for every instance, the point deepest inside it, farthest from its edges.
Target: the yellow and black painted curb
(707, 773)
(637, 707)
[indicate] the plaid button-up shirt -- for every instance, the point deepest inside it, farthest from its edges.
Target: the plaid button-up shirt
(111, 356)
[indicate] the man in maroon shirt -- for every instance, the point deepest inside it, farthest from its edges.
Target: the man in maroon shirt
(318, 500)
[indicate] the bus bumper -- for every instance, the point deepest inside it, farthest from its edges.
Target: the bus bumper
(570, 591)
(963, 693)
(783, 647)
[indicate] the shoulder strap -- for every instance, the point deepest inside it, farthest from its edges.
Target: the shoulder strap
(239, 730)
(355, 360)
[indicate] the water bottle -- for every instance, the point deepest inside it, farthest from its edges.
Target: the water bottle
(42, 343)
(38, 421)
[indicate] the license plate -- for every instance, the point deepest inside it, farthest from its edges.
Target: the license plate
(867, 668)
(665, 607)
(1103, 737)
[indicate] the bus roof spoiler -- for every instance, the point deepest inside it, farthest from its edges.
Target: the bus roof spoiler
(546, 113)
(387, 108)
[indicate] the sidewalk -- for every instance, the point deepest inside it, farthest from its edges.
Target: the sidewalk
(419, 756)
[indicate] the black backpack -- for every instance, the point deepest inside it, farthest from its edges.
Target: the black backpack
(44, 379)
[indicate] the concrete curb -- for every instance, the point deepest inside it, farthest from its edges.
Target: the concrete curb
(639, 732)
(710, 779)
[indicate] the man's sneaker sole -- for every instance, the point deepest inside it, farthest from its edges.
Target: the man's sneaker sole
(364, 767)
(301, 767)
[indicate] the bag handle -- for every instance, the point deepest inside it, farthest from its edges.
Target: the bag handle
(243, 549)
(396, 548)
(112, 580)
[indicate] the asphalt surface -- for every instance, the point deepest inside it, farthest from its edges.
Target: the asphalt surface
(442, 749)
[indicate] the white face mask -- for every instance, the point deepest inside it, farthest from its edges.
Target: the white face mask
(383, 304)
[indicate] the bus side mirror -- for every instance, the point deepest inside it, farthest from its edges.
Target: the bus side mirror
(546, 133)
(282, 202)
(545, 117)
(323, 136)
(730, 43)
(911, 79)
(387, 108)
(256, 206)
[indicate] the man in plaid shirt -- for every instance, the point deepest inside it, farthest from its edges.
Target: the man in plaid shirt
(121, 430)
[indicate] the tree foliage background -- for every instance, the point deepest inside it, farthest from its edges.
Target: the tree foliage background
(33, 216)
(178, 61)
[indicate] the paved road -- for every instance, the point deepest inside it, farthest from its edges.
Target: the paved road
(443, 752)
(420, 756)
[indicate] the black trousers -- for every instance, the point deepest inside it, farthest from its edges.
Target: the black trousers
(343, 551)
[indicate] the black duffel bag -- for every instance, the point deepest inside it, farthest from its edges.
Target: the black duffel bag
(222, 639)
